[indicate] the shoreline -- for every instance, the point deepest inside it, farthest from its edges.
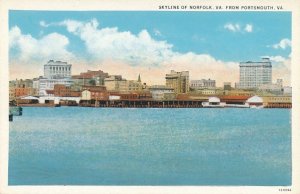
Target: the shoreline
(150, 107)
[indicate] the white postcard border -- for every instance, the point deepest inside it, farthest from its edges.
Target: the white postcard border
(132, 5)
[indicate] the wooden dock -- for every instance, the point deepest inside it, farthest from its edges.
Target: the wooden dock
(143, 103)
(14, 111)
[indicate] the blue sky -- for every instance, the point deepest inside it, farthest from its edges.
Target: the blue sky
(224, 36)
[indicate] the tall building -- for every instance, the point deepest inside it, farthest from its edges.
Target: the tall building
(55, 72)
(57, 69)
(203, 83)
(179, 81)
(255, 74)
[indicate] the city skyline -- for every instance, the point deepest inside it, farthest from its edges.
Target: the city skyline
(97, 40)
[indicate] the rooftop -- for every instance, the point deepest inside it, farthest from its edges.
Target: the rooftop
(52, 62)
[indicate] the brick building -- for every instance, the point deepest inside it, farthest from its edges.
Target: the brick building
(65, 91)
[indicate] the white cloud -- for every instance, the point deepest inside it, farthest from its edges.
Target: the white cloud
(110, 43)
(238, 27)
(281, 68)
(28, 48)
(157, 32)
(130, 54)
(275, 58)
(122, 52)
(248, 28)
(283, 44)
(44, 24)
(230, 27)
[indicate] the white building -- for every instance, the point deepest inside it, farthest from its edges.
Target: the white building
(48, 84)
(214, 102)
(55, 72)
(271, 88)
(203, 83)
(57, 69)
(287, 90)
(255, 74)
(255, 101)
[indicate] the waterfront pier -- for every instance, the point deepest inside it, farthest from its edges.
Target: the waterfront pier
(143, 103)
(14, 111)
(228, 101)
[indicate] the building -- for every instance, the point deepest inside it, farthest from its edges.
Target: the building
(277, 101)
(44, 84)
(24, 92)
(133, 85)
(92, 78)
(255, 74)
(279, 82)
(12, 94)
(237, 92)
(123, 96)
(57, 69)
(255, 101)
(227, 85)
(208, 92)
(203, 83)
(94, 95)
(117, 83)
(55, 72)
(232, 99)
(94, 88)
(18, 88)
(287, 90)
(65, 91)
(179, 81)
(214, 102)
(275, 89)
(27, 83)
(161, 92)
(15, 93)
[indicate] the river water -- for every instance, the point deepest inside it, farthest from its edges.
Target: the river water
(126, 146)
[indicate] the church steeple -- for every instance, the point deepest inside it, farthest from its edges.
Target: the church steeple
(139, 78)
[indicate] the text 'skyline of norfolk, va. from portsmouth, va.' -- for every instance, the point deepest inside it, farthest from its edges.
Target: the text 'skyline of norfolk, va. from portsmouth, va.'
(220, 7)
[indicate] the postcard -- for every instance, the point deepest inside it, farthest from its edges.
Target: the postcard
(149, 97)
